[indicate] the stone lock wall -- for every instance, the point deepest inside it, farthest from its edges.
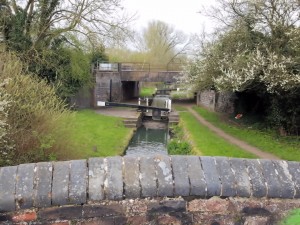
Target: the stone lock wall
(150, 190)
(217, 101)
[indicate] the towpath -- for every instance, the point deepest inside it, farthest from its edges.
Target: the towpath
(229, 138)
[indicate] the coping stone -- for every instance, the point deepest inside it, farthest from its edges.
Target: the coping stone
(181, 178)
(241, 176)
(43, 181)
(96, 174)
(24, 186)
(131, 171)
(294, 169)
(114, 178)
(285, 178)
(60, 183)
(196, 176)
(211, 176)
(270, 174)
(259, 188)
(148, 176)
(227, 177)
(164, 176)
(7, 188)
(78, 181)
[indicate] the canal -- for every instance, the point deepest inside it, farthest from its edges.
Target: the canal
(150, 138)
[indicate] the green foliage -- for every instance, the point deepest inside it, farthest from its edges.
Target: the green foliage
(175, 147)
(255, 53)
(36, 126)
(178, 145)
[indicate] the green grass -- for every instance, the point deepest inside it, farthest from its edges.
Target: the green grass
(287, 148)
(96, 135)
(179, 108)
(205, 142)
(293, 218)
(147, 91)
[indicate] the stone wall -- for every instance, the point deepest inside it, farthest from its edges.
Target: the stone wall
(212, 211)
(217, 101)
(207, 99)
(150, 190)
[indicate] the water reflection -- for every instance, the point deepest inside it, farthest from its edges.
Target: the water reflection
(149, 139)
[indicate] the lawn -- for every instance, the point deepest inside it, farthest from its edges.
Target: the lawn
(206, 142)
(287, 148)
(147, 91)
(96, 135)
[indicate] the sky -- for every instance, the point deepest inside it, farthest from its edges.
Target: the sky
(183, 15)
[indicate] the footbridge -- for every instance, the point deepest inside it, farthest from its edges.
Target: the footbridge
(120, 81)
(156, 189)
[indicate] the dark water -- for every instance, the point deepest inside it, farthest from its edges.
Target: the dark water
(149, 140)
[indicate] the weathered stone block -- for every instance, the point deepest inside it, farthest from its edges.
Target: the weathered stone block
(257, 179)
(285, 178)
(132, 188)
(78, 182)
(167, 206)
(114, 178)
(96, 177)
(7, 188)
(164, 176)
(24, 186)
(196, 176)
(212, 177)
(294, 169)
(181, 177)
(148, 176)
(243, 185)
(273, 183)
(90, 211)
(61, 213)
(60, 183)
(43, 181)
(227, 177)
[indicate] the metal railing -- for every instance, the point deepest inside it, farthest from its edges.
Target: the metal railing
(137, 66)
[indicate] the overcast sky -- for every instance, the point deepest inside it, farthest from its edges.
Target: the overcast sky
(183, 15)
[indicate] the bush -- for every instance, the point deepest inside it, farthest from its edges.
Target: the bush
(177, 146)
(33, 120)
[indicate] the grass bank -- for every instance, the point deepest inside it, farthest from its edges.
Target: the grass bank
(96, 135)
(206, 142)
(287, 148)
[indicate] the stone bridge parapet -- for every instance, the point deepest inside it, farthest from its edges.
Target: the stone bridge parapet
(48, 184)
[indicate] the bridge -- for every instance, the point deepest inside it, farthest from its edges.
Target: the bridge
(120, 81)
(149, 189)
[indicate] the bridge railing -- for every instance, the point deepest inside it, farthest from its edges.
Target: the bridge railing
(137, 66)
(106, 66)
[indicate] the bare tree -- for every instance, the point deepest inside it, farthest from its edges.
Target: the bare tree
(162, 42)
(44, 20)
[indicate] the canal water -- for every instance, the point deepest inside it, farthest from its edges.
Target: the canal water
(151, 138)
